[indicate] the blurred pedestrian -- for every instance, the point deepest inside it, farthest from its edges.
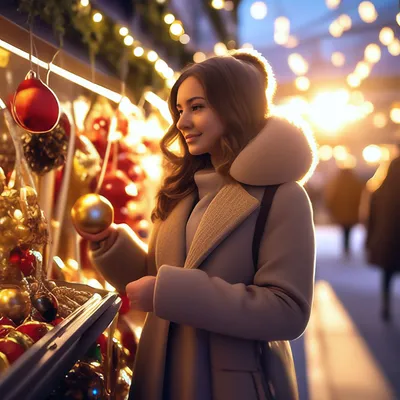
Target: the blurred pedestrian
(383, 232)
(342, 198)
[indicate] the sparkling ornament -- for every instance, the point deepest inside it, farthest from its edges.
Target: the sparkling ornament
(83, 381)
(24, 260)
(11, 349)
(15, 304)
(46, 303)
(92, 213)
(35, 107)
(35, 330)
(4, 364)
(46, 151)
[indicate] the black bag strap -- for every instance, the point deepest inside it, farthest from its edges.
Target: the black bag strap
(262, 218)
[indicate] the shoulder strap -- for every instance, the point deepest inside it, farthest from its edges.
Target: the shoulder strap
(262, 218)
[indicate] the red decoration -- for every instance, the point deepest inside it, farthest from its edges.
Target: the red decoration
(132, 169)
(5, 330)
(6, 321)
(24, 260)
(57, 321)
(35, 330)
(11, 349)
(35, 106)
(115, 189)
(125, 304)
(122, 123)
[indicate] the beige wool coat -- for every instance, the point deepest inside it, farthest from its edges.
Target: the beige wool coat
(215, 288)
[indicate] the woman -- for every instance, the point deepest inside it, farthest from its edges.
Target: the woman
(209, 307)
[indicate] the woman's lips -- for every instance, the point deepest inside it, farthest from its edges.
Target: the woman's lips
(191, 138)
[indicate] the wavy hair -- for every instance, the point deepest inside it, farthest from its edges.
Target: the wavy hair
(235, 87)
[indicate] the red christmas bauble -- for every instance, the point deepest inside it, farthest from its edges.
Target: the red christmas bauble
(132, 169)
(35, 330)
(6, 321)
(24, 260)
(118, 188)
(11, 349)
(35, 107)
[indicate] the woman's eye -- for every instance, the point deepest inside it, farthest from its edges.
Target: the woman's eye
(196, 107)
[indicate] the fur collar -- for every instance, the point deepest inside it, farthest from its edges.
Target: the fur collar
(282, 152)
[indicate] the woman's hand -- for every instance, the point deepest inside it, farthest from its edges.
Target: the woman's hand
(141, 293)
(98, 236)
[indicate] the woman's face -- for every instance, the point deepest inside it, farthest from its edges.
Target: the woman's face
(198, 122)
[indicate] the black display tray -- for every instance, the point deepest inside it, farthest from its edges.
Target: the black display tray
(39, 370)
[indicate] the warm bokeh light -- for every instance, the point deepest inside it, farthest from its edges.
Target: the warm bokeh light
(247, 46)
(372, 154)
(220, 49)
(229, 6)
(325, 152)
(394, 47)
(362, 69)
(335, 29)
(386, 35)
(345, 22)
(217, 4)
(291, 42)
(138, 51)
(340, 153)
(169, 19)
(97, 17)
(398, 18)
(128, 40)
(152, 56)
(281, 30)
(372, 53)
(395, 114)
(302, 83)
(367, 11)
(176, 28)
(353, 80)
(297, 64)
(338, 59)
(84, 3)
(332, 4)
(123, 31)
(185, 38)
(199, 57)
(258, 10)
(379, 119)
(356, 97)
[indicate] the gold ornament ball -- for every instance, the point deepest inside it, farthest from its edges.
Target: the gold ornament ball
(15, 304)
(92, 213)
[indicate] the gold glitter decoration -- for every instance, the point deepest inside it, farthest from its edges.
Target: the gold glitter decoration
(69, 299)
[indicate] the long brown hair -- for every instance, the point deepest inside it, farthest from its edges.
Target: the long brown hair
(235, 88)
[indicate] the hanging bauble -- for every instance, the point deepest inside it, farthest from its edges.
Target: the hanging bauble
(6, 321)
(14, 304)
(7, 153)
(46, 151)
(92, 213)
(35, 106)
(46, 304)
(4, 364)
(11, 349)
(118, 188)
(23, 259)
(132, 169)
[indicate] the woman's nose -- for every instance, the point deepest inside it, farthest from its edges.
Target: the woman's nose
(184, 121)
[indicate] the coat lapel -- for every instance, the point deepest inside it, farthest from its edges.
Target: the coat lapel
(230, 207)
(170, 245)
